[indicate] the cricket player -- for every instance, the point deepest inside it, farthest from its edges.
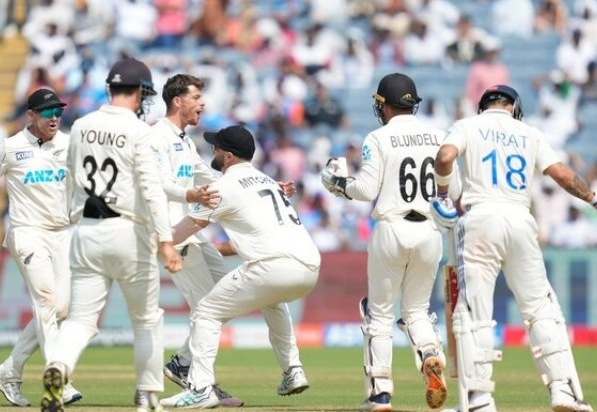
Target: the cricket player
(184, 177)
(121, 217)
(281, 264)
(500, 156)
(34, 164)
(405, 247)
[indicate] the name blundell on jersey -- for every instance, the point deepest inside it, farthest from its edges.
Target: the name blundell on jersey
(103, 138)
(247, 182)
(408, 140)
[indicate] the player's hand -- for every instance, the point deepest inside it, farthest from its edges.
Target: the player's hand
(170, 257)
(334, 176)
(443, 211)
(288, 188)
(594, 202)
(204, 195)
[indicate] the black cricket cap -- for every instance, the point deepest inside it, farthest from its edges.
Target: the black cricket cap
(234, 139)
(131, 72)
(43, 99)
(398, 90)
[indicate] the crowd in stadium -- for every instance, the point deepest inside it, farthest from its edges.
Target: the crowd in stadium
(284, 67)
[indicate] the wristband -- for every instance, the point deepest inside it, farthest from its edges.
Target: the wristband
(443, 180)
(594, 201)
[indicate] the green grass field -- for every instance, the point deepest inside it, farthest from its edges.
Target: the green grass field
(106, 378)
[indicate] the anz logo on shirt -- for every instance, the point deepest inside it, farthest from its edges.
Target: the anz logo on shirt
(33, 177)
(185, 171)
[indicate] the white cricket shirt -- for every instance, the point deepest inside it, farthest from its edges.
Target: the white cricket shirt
(36, 180)
(259, 220)
(181, 169)
(398, 167)
(113, 154)
(500, 156)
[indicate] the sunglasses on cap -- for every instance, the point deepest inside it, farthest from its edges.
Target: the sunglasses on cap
(51, 112)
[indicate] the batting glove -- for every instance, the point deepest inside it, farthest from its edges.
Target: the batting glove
(334, 177)
(443, 211)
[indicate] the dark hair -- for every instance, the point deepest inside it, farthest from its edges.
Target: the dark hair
(122, 90)
(178, 85)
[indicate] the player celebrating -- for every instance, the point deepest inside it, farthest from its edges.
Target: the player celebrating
(500, 156)
(405, 247)
(281, 264)
(118, 202)
(34, 164)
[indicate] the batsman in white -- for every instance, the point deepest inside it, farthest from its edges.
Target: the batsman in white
(500, 154)
(405, 247)
(184, 178)
(121, 217)
(281, 264)
(34, 164)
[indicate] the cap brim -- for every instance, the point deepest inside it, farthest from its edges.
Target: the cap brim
(211, 137)
(48, 105)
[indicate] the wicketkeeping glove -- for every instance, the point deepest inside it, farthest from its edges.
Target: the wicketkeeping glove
(334, 176)
(443, 211)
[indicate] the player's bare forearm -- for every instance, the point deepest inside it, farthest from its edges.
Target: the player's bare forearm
(580, 189)
(225, 249)
(444, 161)
(570, 181)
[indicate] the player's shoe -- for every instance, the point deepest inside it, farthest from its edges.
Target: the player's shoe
(382, 402)
(293, 381)
(486, 404)
(54, 380)
(146, 401)
(70, 394)
(563, 400)
(12, 393)
(177, 373)
(204, 398)
(226, 399)
(436, 392)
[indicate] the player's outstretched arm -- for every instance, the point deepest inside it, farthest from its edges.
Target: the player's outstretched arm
(186, 227)
(571, 182)
(205, 195)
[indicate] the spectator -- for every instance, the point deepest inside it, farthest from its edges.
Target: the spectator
(422, 46)
(550, 206)
(171, 24)
(324, 109)
(576, 232)
(468, 42)
(507, 23)
(573, 55)
(551, 15)
(589, 88)
(138, 33)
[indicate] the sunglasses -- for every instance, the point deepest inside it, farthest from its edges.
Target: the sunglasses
(51, 112)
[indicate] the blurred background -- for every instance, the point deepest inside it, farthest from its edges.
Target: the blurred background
(300, 75)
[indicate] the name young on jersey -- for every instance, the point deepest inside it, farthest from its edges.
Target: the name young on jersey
(103, 138)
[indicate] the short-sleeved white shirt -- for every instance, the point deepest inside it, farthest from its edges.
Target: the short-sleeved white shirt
(500, 156)
(113, 154)
(259, 220)
(36, 179)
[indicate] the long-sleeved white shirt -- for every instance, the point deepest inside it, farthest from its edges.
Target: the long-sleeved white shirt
(36, 179)
(181, 168)
(113, 155)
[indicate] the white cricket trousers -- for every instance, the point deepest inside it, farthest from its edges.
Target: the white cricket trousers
(104, 251)
(403, 258)
(202, 267)
(42, 256)
(265, 285)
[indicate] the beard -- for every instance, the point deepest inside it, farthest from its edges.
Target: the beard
(216, 164)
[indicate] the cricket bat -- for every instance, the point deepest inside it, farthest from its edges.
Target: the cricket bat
(450, 298)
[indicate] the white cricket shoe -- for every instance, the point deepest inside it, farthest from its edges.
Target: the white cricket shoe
(70, 394)
(12, 393)
(147, 402)
(484, 403)
(382, 402)
(563, 399)
(436, 392)
(204, 398)
(293, 381)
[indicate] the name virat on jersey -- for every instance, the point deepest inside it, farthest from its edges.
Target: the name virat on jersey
(408, 140)
(103, 138)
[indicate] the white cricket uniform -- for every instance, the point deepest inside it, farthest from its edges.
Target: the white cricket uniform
(281, 264)
(111, 155)
(405, 250)
(36, 180)
(500, 156)
(181, 169)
